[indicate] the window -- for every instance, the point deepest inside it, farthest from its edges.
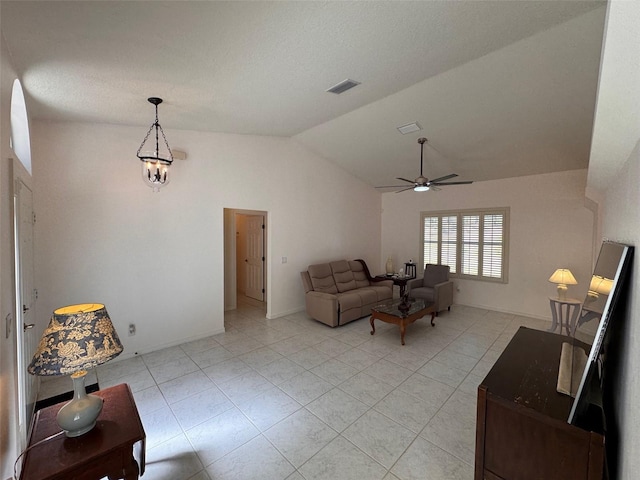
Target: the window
(473, 243)
(19, 140)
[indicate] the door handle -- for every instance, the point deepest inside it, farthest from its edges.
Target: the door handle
(28, 326)
(25, 308)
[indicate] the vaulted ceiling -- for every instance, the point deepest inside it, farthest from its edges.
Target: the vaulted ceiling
(500, 88)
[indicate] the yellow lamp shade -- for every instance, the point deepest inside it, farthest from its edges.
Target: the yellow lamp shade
(563, 276)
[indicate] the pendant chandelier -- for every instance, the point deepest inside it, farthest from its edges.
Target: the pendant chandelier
(155, 163)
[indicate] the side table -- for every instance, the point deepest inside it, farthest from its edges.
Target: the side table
(106, 451)
(564, 312)
(400, 281)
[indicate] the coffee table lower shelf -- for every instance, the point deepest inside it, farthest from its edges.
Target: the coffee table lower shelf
(391, 313)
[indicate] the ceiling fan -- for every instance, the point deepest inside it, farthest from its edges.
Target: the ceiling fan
(422, 183)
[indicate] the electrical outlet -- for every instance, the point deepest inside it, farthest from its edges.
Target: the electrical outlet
(284, 259)
(132, 329)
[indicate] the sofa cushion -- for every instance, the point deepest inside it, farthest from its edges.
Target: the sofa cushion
(349, 301)
(383, 293)
(343, 276)
(322, 278)
(426, 293)
(359, 274)
(434, 274)
(367, 295)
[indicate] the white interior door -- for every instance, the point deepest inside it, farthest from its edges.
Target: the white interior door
(254, 260)
(26, 341)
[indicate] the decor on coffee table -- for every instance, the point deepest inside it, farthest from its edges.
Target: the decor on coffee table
(405, 304)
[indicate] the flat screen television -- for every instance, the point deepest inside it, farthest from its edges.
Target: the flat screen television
(607, 282)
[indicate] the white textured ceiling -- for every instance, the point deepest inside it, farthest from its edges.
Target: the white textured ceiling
(502, 88)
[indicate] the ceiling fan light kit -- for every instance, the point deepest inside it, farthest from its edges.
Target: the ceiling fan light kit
(422, 183)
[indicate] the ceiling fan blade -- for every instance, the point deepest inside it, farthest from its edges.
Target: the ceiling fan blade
(451, 183)
(446, 177)
(405, 189)
(405, 180)
(434, 188)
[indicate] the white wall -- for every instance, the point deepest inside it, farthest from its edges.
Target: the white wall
(157, 260)
(621, 223)
(614, 170)
(550, 228)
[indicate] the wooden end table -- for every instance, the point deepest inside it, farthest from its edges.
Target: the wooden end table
(564, 314)
(400, 281)
(106, 451)
(391, 313)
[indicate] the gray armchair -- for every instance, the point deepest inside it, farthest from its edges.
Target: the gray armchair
(434, 287)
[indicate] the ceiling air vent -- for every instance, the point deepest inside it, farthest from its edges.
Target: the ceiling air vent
(409, 128)
(343, 86)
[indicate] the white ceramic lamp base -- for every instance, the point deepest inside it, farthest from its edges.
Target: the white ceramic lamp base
(79, 415)
(562, 291)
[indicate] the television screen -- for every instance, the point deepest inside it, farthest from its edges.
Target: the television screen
(593, 322)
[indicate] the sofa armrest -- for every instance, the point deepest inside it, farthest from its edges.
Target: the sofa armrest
(306, 281)
(443, 294)
(415, 283)
(382, 283)
(322, 307)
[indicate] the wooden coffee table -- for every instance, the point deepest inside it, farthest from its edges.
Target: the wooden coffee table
(391, 312)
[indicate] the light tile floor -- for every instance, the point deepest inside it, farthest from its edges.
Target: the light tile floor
(291, 398)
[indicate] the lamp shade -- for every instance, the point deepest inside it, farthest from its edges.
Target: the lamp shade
(563, 276)
(79, 337)
(600, 285)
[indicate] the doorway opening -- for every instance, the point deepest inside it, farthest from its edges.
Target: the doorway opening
(245, 256)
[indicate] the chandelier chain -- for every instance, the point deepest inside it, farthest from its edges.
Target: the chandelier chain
(146, 137)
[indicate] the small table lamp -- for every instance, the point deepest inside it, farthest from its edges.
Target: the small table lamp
(79, 337)
(563, 277)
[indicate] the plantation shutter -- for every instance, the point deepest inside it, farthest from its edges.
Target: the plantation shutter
(430, 243)
(470, 244)
(492, 246)
(449, 243)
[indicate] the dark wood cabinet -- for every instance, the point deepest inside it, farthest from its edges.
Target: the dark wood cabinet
(522, 431)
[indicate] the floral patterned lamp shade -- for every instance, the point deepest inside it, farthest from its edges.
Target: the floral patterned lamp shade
(79, 337)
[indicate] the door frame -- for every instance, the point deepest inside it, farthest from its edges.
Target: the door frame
(26, 383)
(230, 249)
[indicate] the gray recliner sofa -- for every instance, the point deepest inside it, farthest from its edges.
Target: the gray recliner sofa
(339, 292)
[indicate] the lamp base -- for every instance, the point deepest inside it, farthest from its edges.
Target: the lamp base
(562, 291)
(79, 415)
